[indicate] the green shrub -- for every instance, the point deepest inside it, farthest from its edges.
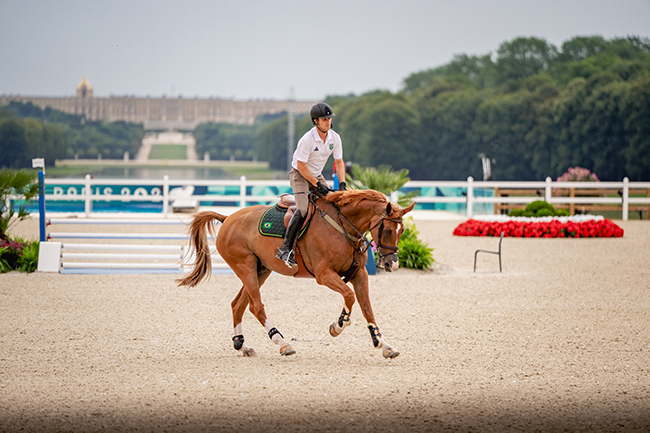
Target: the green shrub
(18, 183)
(535, 206)
(544, 212)
(28, 261)
(413, 253)
(538, 208)
(4, 264)
(10, 252)
(410, 231)
(19, 255)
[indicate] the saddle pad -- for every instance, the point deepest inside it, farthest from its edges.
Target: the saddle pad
(272, 223)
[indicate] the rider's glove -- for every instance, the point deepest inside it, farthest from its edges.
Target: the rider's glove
(322, 189)
(343, 186)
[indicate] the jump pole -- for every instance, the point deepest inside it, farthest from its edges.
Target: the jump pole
(120, 258)
(40, 163)
(49, 253)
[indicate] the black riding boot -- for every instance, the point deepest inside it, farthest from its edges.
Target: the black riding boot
(285, 251)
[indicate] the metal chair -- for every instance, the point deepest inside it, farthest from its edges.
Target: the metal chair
(490, 252)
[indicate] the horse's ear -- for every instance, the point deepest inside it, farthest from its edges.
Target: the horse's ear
(389, 208)
(408, 209)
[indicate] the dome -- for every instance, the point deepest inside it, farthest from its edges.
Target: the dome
(84, 88)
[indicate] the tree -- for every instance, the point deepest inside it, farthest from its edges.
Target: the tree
(523, 57)
(579, 48)
(602, 127)
(13, 144)
(65, 135)
(448, 142)
(391, 133)
(352, 123)
(510, 123)
(272, 144)
(635, 112)
(226, 140)
(380, 128)
(477, 71)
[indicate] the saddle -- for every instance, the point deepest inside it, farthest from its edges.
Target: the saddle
(282, 212)
(289, 203)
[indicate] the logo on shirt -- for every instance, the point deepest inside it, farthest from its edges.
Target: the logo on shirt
(331, 146)
(316, 150)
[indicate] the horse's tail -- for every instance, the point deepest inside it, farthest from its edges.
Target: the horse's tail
(199, 228)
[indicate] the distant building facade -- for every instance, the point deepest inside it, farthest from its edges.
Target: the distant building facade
(161, 113)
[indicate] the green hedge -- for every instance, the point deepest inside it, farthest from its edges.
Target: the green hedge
(539, 208)
(413, 253)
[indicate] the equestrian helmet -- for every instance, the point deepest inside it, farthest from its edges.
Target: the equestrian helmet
(321, 110)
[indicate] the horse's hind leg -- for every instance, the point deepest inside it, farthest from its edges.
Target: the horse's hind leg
(252, 283)
(239, 305)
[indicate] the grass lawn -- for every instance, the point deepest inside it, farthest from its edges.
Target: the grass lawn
(168, 151)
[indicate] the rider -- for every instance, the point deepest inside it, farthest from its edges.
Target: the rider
(312, 152)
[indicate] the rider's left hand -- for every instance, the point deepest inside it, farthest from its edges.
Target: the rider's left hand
(343, 186)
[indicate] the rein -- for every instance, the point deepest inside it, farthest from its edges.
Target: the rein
(352, 238)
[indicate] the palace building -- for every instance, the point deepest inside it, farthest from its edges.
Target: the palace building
(160, 112)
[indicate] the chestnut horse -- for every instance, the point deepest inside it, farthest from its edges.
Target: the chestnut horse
(328, 249)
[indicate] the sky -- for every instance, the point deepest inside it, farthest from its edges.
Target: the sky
(263, 49)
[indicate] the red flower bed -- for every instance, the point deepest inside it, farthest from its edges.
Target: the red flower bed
(551, 229)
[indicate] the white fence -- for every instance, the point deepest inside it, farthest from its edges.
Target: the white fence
(98, 190)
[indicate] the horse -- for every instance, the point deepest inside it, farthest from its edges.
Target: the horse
(329, 250)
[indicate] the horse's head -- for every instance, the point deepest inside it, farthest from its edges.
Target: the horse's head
(369, 210)
(386, 230)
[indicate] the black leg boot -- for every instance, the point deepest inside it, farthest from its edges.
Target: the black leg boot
(285, 251)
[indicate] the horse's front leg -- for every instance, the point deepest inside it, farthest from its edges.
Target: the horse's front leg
(332, 280)
(360, 284)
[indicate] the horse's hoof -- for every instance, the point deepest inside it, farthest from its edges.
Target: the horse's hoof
(333, 332)
(249, 352)
(390, 353)
(287, 350)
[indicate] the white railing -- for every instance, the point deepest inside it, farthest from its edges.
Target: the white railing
(96, 190)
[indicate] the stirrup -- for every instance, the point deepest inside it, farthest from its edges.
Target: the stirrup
(287, 257)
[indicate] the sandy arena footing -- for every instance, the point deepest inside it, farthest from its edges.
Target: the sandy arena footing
(559, 341)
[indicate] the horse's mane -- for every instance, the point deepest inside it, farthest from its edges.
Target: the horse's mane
(355, 196)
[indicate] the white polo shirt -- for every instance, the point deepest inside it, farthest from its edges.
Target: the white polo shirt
(314, 152)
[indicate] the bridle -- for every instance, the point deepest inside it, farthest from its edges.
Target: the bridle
(354, 240)
(394, 249)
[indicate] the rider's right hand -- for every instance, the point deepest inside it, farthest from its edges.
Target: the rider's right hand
(322, 189)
